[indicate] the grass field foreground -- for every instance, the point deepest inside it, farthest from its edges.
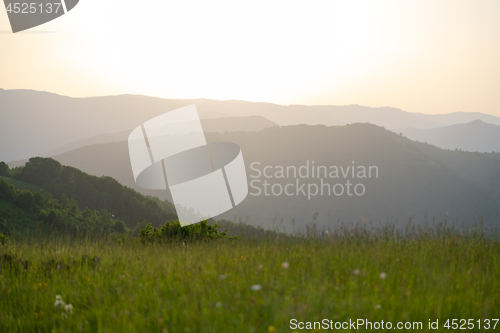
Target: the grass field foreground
(247, 285)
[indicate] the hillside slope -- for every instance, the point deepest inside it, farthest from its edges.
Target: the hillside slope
(415, 179)
(96, 193)
(474, 136)
(228, 124)
(20, 185)
(25, 209)
(24, 214)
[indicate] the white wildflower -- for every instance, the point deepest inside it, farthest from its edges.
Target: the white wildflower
(59, 302)
(68, 308)
(256, 287)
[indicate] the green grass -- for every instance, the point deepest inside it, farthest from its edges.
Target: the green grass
(20, 185)
(206, 287)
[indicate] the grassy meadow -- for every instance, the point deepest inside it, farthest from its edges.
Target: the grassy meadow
(248, 285)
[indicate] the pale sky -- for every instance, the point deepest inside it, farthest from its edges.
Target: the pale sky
(428, 56)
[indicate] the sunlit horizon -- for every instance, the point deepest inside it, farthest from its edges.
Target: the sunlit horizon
(417, 56)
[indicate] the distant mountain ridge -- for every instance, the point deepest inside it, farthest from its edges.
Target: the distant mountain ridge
(228, 124)
(416, 179)
(474, 136)
(35, 122)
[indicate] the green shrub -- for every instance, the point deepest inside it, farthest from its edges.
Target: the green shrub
(25, 200)
(4, 169)
(7, 191)
(120, 227)
(174, 231)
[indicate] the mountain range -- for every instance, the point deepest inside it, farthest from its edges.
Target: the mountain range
(474, 136)
(415, 180)
(35, 123)
(427, 166)
(228, 124)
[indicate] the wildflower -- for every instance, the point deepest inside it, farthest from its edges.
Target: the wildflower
(256, 287)
(58, 267)
(383, 276)
(285, 265)
(378, 306)
(356, 271)
(272, 329)
(68, 308)
(222, 277)
(59, 302)
(218, 305)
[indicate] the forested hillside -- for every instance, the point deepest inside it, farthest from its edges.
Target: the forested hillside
(25, 211)
(68, 201)
(96, 193)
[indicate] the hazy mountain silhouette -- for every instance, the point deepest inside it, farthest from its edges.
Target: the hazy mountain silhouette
(34, 122)
(414, 178)
(227, 124)
(474, 136)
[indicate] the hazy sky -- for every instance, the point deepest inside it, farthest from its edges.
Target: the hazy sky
(427, 56)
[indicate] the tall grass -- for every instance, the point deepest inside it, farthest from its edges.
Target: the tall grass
(249, 285)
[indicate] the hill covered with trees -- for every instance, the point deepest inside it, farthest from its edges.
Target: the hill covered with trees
(46, 197)
(95, 193)
(39, 212)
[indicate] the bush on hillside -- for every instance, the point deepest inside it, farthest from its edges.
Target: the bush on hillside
(174, 231)
(4, 169)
